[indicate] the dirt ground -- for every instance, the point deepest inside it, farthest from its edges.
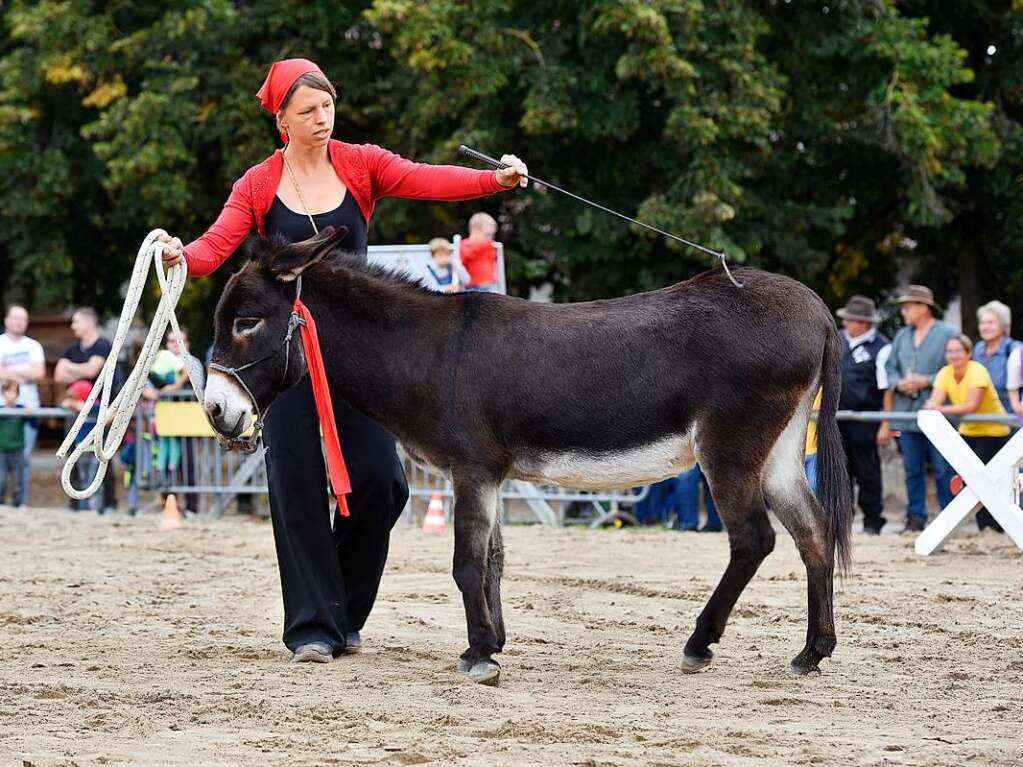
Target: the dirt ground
(125, 645)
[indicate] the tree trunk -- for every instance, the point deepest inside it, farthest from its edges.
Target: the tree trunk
(968, 264)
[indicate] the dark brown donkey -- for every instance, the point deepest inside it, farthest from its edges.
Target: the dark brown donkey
(590, 395)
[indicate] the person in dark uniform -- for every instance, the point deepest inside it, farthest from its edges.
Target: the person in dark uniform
(864, 381)
(329, 573)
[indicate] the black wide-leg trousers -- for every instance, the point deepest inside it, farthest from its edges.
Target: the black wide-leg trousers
(864, 463)
(329, 577)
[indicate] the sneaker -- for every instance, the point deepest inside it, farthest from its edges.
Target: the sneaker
(314, 652)
(353, 643)
(914, 524)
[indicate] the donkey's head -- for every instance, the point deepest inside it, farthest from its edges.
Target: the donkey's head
(253, 360)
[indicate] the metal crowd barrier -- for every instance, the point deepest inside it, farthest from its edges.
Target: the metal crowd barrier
(900, 417)
(547, 503)
(198, 466)
(221, 476)
(193, 465)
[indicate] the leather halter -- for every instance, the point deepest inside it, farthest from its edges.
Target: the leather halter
(250, 444)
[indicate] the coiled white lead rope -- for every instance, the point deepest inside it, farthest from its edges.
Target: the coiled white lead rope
(120, 412)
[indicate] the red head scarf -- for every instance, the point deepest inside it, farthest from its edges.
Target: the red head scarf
(279, 79)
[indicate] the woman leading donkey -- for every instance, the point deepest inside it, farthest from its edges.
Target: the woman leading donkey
(329, 579)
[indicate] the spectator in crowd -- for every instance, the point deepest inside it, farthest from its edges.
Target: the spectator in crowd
(968, 387)
(687, 494)
(22, 360)
(84, 360)
(169, 374)
(659, 503)
(1013, 382)
(679, 497)
(12, 444)
(810, 451)
(180, 347)
(443, 274)
(917, 353)
(864, 382)
(994, 320)
(74, 400)
(478, 254)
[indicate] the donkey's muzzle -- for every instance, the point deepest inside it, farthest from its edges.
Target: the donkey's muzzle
(228, 408)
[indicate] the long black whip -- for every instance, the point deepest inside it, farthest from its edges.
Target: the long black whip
(479, 156)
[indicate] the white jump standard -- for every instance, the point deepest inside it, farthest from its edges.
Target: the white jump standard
(994, 486)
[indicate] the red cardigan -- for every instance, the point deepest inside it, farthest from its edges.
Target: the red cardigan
(369, 171)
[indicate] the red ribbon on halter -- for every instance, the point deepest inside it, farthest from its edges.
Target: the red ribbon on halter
(336, 469)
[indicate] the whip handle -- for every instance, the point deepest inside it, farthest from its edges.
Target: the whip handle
(468, 151)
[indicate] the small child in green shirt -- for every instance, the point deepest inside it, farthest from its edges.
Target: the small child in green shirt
(12, 445)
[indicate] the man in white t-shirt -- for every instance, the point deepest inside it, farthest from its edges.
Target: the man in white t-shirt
(22, 360)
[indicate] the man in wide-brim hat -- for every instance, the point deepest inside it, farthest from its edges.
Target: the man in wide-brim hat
(919, 294)
(917, 354)
(864, 383)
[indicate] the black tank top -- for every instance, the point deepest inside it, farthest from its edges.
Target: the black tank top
(295, 227)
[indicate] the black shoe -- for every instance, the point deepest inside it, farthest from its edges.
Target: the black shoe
(711, 529)
(353, 643)
(313, 652)
(914, 524)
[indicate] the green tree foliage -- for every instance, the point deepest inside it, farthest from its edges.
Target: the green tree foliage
(977, 248)
(839, 142)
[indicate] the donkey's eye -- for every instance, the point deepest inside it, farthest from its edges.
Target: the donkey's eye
(246, 326)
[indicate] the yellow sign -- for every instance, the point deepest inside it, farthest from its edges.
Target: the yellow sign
(181, 419)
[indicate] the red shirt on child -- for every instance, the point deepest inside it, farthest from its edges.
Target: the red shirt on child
(479, 257)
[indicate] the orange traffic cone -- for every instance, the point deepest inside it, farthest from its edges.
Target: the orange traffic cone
(171, 519)
(434, 520)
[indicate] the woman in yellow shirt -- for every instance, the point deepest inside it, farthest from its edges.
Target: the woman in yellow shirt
(969, 389)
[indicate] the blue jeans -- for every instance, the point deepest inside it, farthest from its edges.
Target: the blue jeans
(687, 499)
(658, 502)
(915, 449)
(810, 464)
(31, 432)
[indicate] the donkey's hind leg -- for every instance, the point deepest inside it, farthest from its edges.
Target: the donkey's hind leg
(475, 518)
(788, 492)
(750, 538)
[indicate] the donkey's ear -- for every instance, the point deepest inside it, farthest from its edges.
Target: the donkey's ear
(286, 261)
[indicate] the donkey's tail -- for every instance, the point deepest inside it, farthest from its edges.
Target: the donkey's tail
(832, 474)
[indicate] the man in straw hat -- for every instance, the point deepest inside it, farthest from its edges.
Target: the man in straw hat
(864, 383)
(918, 353)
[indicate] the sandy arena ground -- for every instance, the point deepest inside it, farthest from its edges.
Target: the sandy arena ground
(125, 645)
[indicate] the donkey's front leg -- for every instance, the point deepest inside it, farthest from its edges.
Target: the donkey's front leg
(475, 517)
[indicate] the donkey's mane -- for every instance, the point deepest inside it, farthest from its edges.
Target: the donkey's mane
(339, 260)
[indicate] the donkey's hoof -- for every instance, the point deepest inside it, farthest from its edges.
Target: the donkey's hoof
(486, 671)
(797, 668)
(693, 663)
